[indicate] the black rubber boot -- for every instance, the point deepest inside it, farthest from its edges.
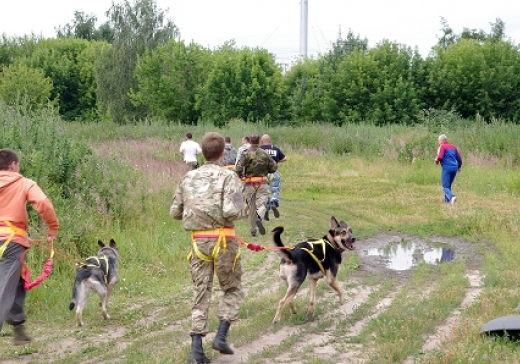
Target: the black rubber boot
(260, 226)
(220, 343)
(197, 355)
(20, 336)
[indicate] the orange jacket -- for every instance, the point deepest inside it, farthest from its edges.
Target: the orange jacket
(15, 191)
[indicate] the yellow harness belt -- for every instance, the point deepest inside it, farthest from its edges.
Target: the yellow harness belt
(321, 242)
(98, 265)
(222, 234)
(8, 227)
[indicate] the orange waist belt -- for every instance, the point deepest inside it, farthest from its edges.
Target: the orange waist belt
(252, 180)
(228, 232)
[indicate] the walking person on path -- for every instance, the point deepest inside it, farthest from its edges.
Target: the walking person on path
(451, 162)
(189, 149)
(275, 180)
(208, 200)
(253, 167)
(230, 154)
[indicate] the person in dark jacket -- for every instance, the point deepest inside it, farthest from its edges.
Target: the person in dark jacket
(275, 180)
(451, 162)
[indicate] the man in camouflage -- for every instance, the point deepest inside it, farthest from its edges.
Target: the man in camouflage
(253, 167)
(209, 200)
(230, 154)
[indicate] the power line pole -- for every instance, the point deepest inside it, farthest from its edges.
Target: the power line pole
(303, 27)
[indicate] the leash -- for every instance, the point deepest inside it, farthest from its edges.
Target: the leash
(257, 247)
(40, 242)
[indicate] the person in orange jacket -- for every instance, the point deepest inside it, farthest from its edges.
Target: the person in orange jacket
(15, 191)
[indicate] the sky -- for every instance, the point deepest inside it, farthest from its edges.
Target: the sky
(275, 24)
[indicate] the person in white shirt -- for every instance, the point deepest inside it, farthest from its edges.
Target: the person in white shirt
(190, 148)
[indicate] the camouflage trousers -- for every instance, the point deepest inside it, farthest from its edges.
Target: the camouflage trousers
(229, 274)
(257, 200)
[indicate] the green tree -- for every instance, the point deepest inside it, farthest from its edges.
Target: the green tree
(306, 82)
(169, 78)
(12, 49)
(25, 86)
(245, 84)
(68, 62)
(474, 78)
(449, 37)
(303, 90)
(377, 86)
(137, 27)
(84, 27)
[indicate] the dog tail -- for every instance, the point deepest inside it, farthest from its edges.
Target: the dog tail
(74, 300)
(276, 242)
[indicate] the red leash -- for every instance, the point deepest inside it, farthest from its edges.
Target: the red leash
(258, 247)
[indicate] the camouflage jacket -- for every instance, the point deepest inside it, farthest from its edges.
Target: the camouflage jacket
(255, 162)
(208, 198)
(230, 155)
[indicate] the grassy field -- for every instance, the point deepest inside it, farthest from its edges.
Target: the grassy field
(383, 182)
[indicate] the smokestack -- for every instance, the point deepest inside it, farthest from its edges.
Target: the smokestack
(303, 27)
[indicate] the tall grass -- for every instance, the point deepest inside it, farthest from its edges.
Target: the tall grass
(119, 181)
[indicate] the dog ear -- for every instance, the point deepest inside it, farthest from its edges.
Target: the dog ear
(343, 224)
(100, 243)
(333, 222)
(112, 243)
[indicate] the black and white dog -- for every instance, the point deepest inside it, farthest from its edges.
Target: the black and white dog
(313, 258)
(99, 274)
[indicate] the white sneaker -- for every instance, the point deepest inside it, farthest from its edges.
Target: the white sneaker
(453, 200)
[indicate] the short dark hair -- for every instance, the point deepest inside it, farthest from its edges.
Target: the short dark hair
(212, 146)
(255, 139)
(227, 139)
(247, 139)
(189, 136)
(7, 156)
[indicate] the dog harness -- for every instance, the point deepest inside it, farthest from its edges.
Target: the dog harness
(222, 234)
(97, 264)
(9, 230)
(321, 242)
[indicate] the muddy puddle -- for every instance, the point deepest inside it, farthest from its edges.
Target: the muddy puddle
(402, 253)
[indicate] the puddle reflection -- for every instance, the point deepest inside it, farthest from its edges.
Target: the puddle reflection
(405, 256)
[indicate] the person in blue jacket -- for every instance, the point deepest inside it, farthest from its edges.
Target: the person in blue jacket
(451, 162)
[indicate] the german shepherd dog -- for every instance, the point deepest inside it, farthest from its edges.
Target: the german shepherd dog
(99, 274)
(315, 258)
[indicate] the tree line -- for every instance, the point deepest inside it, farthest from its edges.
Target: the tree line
(136, 66)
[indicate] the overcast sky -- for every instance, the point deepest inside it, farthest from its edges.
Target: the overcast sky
(275, 24)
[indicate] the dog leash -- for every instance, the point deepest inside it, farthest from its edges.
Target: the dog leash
(40, 242)
(258, 247)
